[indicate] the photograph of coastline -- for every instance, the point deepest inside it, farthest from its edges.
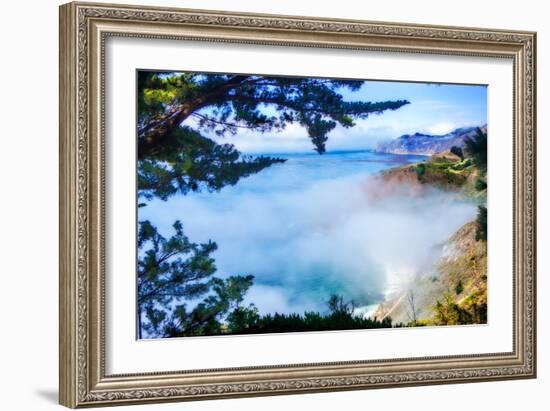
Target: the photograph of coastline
(271, 204)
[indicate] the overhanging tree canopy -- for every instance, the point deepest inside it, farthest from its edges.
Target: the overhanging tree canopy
(235, 101)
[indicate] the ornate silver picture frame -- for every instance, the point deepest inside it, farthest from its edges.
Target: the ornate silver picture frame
(84, 30)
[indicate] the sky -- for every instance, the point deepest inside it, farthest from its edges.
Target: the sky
(433, 109)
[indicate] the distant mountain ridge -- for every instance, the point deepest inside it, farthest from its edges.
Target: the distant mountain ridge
(427, 144)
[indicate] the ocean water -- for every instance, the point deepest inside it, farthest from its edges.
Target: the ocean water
(307, 228)
(302, 170)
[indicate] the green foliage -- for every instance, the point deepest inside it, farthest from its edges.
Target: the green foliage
(473, 310)
(480, 184)
(457, 151)
(156, 90)
(476, 305)
(223, 103)
(174, 270)
(447, 312)
(481, 223)
(336, 304)
(439, 164)
(459, 287)
(440, 171)
(420, 170)
(189, 162)
(207, 318)
(243, 320)
(462, 165)
(246, 320)
(476, 148)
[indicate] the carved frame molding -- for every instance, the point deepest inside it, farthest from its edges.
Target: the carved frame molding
(84, 27)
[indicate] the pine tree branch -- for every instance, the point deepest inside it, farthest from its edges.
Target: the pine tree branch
(152, 134)
(224, 123)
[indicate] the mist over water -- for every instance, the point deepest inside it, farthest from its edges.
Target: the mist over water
(308, 228)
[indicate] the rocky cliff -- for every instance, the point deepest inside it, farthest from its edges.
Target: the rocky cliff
(427, 144)
(450, 288)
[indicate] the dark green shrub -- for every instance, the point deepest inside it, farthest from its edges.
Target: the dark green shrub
(420, 170)
(480, 185)
(459, 287)
(447, 312)
(481, 223)
(476, 147)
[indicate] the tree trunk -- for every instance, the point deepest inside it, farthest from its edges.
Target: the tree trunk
(152, 135)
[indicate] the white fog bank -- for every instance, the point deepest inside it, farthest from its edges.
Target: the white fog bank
(305, 234)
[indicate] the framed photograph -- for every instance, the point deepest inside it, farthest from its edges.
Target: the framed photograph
(259, 204)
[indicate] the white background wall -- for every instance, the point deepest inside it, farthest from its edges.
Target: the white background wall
(28, 205)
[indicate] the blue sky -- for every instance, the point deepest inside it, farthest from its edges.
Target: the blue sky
(434, 109)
